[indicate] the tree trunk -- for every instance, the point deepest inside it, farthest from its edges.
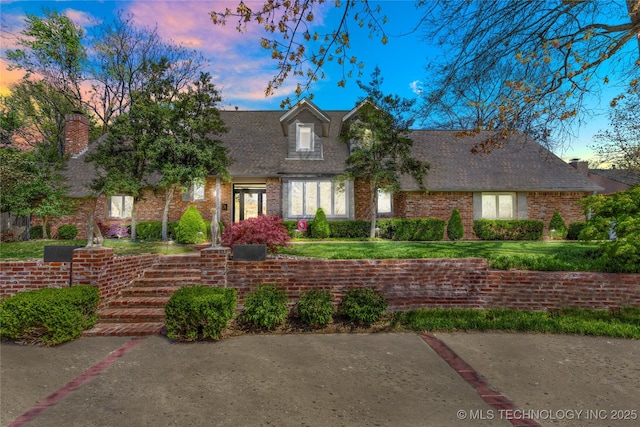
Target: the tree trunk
(134, 234)
(45, 234)
(165, 213)
(373, 204)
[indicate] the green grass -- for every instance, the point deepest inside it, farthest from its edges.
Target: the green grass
(34, 249)
(551, 256)
(623, 323)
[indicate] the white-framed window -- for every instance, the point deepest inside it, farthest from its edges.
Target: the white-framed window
(306, 196)
(385, 202)
(499, 205)
(304, 137)
(194, 193)
(120, 206)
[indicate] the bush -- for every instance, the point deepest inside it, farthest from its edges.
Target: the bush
(199, 311)
(320, 226)
(350, 229)
(516, 229)
(35, 232)
(191, 227)
(455, 229)
(575, 228)
(119, 231)
(67, 232)
(557, 227)
(266, 306)
(149, 231)
(418, 229)
(315, 307)
(263, 229)
(49, 316)
(363, 305)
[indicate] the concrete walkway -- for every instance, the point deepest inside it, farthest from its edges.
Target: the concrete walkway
(325, 380)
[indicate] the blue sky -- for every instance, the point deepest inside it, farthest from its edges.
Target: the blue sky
(241, 69)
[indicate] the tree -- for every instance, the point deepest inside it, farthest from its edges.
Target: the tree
(189, 150)
(620, 144)
(52, 49)
(31, 187)
(522, 66)
(380, 145)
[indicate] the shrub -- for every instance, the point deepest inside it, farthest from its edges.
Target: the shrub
(557, 227)
(263, 229)
(574, 230)
(320, 226)
(191, 227)
(35, 232)
(266, 306)
(358, 229)
(149, 231)
(363, 305)
(315, 307)
(119, 231)
(67, 232)
(417, 229)
(199, 311)
(49, 316)
(455, 229)
(520, 229)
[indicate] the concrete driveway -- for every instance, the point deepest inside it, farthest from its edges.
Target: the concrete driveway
(325, 380)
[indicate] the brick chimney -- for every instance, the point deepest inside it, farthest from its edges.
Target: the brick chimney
(581, 165)
(76, 134)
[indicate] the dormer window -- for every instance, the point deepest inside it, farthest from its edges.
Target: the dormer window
(304, 137)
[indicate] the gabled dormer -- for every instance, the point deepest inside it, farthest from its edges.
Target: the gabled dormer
(305, 125)
(353, 118)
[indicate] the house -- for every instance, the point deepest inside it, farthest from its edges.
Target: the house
(285, 162)
(612, 180)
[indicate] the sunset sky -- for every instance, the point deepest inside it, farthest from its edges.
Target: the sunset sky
(241, 69)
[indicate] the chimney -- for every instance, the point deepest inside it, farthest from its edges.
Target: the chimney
(76, 134)
(581, 166)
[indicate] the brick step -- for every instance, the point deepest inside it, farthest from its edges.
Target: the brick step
(172, 272)
(140, 302)
(125, 329)
(165, 281)
(131, 315)
(149, 291)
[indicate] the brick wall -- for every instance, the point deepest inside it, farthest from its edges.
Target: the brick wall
(428, 283)
(91, 266)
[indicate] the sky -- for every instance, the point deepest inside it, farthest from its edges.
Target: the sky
(241, 69)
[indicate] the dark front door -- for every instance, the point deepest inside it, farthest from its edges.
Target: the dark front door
(248, 202)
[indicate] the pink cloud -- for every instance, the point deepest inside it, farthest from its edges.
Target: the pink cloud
(80, 18)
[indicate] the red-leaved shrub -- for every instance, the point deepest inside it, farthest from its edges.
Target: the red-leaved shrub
(263, 229)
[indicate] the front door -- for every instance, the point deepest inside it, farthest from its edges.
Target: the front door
(249, 201)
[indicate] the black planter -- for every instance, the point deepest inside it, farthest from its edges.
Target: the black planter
(249, 252)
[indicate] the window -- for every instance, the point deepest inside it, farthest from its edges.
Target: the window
(120, 206)
(498, 205)
(304, 137)
(384, 202)
(194, 193)
(305, 197)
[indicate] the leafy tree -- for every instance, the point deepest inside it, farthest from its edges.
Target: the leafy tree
(187, 149)
(620, 144)
(31, 187)
(380, 145)
(51, 47)
(617, 216)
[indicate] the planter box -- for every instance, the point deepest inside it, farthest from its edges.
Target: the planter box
(249, 252)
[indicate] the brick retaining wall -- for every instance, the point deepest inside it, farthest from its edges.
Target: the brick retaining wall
(428, 283)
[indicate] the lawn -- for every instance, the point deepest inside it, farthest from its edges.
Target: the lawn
(34, 249)
(549, 256)
(546, 256)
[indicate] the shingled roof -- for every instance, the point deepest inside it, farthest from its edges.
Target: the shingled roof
(258, 146)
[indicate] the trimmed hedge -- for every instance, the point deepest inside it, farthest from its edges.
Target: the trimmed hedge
(415, 229)
(191, 227)
(152, 230)
(49, 316)
(195, 312)
(455, 229)
(266, 306)
(515, 229)
(350, 229)
(67, 232)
